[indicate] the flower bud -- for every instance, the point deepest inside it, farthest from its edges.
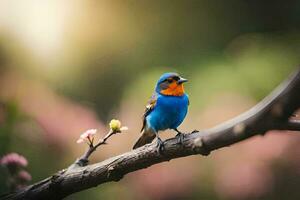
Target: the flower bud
(115, 125)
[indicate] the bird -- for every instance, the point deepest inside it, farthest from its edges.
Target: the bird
(166, 109)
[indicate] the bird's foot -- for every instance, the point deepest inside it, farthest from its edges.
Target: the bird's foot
(195, 131)
(180, 137)
(160, 146)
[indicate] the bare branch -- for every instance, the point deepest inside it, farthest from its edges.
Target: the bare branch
(272, 113)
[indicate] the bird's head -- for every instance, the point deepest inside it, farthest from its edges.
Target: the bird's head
(170, 84)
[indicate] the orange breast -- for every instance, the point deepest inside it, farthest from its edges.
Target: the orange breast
(174, 89)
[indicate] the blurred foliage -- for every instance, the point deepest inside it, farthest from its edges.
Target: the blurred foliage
(7, 123)
(66, 66)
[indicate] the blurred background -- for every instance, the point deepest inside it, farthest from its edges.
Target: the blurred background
(67, 66)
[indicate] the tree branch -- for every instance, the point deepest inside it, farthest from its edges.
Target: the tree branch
(272, 113)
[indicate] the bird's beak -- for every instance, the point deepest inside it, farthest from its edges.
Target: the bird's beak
(182, 80)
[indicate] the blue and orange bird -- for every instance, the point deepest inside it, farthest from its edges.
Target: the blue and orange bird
(166, 109)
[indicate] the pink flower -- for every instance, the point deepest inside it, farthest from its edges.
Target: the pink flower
(24, 176)
(13, 159)
(87, 136)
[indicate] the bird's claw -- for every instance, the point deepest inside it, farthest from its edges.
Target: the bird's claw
(195, 131)
(160, 146)
(180, 137)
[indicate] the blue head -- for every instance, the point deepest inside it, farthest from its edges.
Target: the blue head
(170, 84)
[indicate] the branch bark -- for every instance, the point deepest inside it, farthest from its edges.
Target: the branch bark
(272, 113)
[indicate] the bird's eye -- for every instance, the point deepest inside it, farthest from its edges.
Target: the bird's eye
(170, 80)
(176, 78)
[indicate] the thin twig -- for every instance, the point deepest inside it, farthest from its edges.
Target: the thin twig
(84, 159)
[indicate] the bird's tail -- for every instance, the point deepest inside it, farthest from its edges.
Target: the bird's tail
(147, 136)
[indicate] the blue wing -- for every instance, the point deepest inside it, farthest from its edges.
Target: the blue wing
(150, 106)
